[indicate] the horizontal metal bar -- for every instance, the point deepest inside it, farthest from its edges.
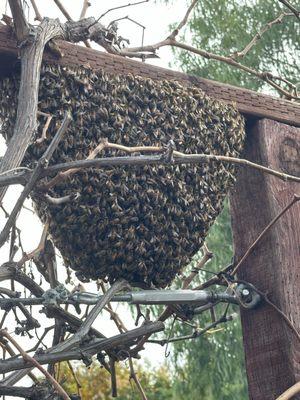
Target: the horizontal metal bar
(167, 297)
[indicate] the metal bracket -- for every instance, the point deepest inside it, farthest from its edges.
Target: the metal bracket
(247, 295)
(53, 297)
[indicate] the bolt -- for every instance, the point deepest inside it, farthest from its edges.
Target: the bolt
(245, 292)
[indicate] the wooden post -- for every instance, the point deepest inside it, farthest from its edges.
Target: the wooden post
(272, 351)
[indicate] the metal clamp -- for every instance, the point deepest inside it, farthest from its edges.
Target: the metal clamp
(247, 296)
(53, 297)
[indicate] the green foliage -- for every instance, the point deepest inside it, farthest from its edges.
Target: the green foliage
(95, 382)
(227, 26)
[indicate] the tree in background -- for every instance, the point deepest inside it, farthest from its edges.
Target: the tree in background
(225, 27)
(94, 383)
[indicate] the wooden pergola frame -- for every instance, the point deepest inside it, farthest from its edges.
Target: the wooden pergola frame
(273, 138)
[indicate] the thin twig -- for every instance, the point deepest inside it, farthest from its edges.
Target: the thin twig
(258, 36)
(291, 7)
(4, 344)
(21, 25)
(57, 201)
(64, 175)
(45, 128)
(113, 377)
(178, 158)
(184, 20)
(64, 170)
(31, 322)
(43, 161)
(135, 379)
(290, 393)
(118, 7)
(86, 4)
(77, 382)
(113, 315)
(206, 257)
(40, 247)
(197, 332)
(38, 16)
(263, 233)
(15, 170)
(40, 339)
(63, 10)
(28, 358)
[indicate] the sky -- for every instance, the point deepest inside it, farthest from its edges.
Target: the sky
(156, 17)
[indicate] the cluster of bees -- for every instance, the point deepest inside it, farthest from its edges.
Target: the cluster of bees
(141, 223)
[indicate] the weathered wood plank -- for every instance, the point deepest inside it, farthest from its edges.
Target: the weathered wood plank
(249, 103)
(271, 350)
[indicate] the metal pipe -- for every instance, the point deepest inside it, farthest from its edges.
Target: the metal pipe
(147, 297)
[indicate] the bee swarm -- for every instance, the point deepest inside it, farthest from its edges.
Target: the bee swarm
(138, 223)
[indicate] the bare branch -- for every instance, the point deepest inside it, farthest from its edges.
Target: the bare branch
(45, 128)
(290, 393)
(38, 16)
(291, 7)
(22, 28)
(136, 380)
(295, 199)
(86, 325)
(258, 36)
(16, 391)
(206, 257)
(63, 10)
(95, 347)
(40, 247)
(15, 170)
(57, 201)
(26, 122)
(266, 76)
(179, 158)
(85, 6)
(34, 177)
(122, 6)
(113, 315)
(64, 175)
(184, 21)
(113, 377)
(4, 343)
(31, 322)
(34, 362)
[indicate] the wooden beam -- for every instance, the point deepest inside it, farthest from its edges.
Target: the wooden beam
(251, 104)
(272, 351)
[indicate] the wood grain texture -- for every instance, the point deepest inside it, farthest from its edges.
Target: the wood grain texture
(272, 351)
(249, 103)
